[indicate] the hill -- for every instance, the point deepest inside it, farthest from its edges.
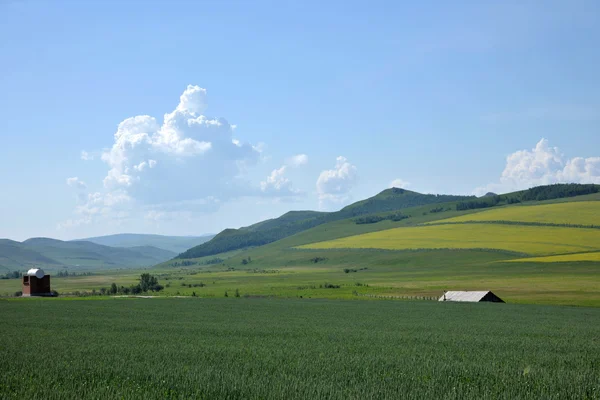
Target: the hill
(53, 254)
(175, 244)
(293, 222)
(542, 249)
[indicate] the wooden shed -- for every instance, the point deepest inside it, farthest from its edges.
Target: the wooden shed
(471, 297)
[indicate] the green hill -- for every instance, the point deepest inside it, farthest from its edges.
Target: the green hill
(53, 254)
(14, 255)
(297, 221)
(534, 246)
(175, 244)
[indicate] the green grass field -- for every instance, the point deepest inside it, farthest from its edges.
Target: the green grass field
(296, 349)
(572, 213)
(521, 239)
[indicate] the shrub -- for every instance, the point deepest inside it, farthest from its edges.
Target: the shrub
(18, 294)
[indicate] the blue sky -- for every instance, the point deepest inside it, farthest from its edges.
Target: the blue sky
(255, 108)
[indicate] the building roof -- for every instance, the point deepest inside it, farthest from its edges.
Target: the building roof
(37, 272)
(465, 296)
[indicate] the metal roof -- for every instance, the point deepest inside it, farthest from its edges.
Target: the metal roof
(464, 296)
(37, 272)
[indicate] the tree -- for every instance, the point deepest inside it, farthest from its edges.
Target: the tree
(113, 288)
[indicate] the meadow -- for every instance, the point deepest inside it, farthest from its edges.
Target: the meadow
(563, 258)
(296, 349)
(534, 240)
(569, 213)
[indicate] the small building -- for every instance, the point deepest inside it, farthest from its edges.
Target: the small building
(36, 283)
(471, 297)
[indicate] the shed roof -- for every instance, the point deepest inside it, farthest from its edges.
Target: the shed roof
(37, 272)
(474, 296)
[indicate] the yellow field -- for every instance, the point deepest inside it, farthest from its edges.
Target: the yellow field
(575, 213)
(534, 240)
(562, 258)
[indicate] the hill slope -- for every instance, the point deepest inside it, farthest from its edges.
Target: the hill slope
(297, 221)
(52, 253)
(13, 255)
(175, 244)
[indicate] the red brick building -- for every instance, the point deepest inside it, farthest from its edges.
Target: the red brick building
(36, 283)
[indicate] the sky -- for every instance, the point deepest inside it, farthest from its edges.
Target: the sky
(185, 118)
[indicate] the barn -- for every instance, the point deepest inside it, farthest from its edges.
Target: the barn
(36, 283)
(471, 297)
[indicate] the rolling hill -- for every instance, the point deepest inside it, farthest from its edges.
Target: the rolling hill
(175, 244)
(535, 246)
(53, 254)
(293, 222)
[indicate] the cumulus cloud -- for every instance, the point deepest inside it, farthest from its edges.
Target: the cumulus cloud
(278, 183)
(297, 160)
(182, 160)
(399, 183)
(76, 183)
(334, 185)
(86, 156)
(191, 155)
(543, 165)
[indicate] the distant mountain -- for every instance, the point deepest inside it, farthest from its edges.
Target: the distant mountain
(52, 253)
(14, 255)
(297, 221)
(489, 194)
(176, 244)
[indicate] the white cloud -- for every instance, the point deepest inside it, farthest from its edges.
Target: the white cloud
(86, 156)
(543, 165)
(76, 183)
(186, 162)
(334, 185)
(187, 147)
(399, 183)
(276, 182)
(297, 160)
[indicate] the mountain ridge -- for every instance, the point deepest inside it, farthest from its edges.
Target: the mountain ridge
(290, 223)
(175, 244)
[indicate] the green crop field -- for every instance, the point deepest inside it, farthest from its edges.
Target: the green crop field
(296, 349)
(521, 239)
(594, 256)
(571, 213)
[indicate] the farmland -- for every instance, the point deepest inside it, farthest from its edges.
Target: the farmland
(533, 240)
(563, 258)
(570, 213)
(261, 348)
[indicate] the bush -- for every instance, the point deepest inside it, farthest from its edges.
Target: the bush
(237, 293)
(18, 294)
(54, 293)
(331, 286)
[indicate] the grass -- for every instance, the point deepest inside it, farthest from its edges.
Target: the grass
(296, 349)
(572, 213)
(533, 240)
(291, 274)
